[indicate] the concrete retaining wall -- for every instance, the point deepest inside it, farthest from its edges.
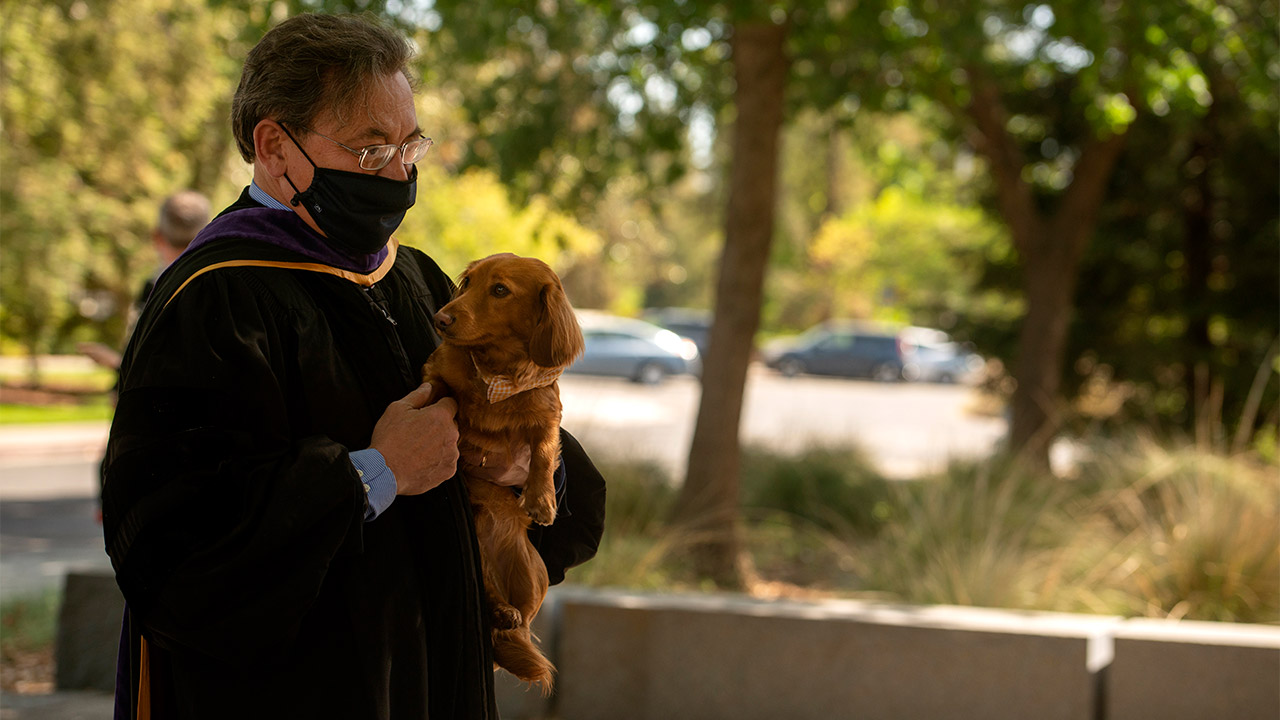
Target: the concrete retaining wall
(1191, 670)
(88, 632)
(631, 656)
(628, 656)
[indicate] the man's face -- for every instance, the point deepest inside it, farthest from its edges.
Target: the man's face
(385, 116)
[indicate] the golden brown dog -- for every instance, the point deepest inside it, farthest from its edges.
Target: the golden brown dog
(508, 333)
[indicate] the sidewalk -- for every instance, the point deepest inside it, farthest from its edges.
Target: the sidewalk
(63, 705)
(42, 442)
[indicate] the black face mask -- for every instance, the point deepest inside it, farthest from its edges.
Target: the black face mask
(357, 212)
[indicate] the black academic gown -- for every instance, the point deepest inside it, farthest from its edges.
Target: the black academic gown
(235, 520)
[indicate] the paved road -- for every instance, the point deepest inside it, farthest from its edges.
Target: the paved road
(907, 429)
(44, 536)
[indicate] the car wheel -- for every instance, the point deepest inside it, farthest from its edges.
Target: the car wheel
(790, 367)
(885, 373)
(650, 374)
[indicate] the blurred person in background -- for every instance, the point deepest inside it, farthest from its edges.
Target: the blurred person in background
(283, 505)
(182, 215)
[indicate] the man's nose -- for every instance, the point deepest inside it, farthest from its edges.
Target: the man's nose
(395, 170)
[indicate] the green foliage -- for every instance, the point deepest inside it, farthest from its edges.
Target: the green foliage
(29, 623)
(1178, 299)
(880, 220)
(107, 108)
(464, 218)
(99, 409)
(904, 258)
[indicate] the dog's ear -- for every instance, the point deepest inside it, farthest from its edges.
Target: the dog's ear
(455, 285)
(556, 339)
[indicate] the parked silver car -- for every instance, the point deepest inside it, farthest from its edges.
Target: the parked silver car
(931, 356)
(634, 349)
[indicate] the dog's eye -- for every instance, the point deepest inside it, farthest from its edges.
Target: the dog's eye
(465, 282)
(501, 290)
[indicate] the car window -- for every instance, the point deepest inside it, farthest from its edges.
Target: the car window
(835, 341)
(878, 344)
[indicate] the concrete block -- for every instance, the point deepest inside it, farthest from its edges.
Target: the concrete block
(627, 656)
(88, 632)
(1170, 670)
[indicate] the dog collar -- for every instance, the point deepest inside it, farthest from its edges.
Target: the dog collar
(502, 387)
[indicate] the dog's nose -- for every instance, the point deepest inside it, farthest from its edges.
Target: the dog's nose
(443, 320)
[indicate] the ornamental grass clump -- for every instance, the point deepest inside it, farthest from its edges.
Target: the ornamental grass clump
(1180, 533)
(981, 533)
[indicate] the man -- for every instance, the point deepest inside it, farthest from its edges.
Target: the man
(182, 215)
(282, 505)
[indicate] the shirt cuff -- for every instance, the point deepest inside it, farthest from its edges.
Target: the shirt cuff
(379, 482)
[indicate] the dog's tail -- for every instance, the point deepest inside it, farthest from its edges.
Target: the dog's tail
(514, 651)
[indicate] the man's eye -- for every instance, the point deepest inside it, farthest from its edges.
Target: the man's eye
(501, 290)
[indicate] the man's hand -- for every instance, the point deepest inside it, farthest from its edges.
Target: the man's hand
(498, 467)
(418, 441)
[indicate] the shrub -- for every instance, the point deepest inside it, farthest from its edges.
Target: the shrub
(835, 489)
(30, 622)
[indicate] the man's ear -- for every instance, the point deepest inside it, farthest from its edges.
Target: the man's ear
(268, 147)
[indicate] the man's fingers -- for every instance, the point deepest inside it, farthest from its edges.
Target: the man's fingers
(420, 397)
(449, 405)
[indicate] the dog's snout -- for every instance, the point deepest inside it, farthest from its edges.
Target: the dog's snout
(443, 320)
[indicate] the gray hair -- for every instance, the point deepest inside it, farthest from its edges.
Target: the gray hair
(312, 63)
(182, 215)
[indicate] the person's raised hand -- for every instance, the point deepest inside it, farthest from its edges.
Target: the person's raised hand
(419, 440)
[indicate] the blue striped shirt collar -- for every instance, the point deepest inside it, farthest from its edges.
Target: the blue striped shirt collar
(261, 196)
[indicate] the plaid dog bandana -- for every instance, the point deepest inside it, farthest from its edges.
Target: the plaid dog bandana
(502, 387)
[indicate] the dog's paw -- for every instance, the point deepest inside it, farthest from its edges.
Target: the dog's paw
(540, 506)
(506, 617)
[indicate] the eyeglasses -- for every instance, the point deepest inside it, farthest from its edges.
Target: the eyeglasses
(376, 157)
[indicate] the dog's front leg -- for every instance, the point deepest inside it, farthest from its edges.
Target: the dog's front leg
(539, 496)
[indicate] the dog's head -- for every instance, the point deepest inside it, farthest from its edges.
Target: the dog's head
(506, 299)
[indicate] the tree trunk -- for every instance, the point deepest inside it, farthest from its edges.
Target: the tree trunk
(1049, 249)
(1049, 280)
(707, 509)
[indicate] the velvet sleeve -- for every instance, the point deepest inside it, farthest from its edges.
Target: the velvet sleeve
(221, 516)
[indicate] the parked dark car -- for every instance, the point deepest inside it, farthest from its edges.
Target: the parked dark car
(633, 349)
(837, 348)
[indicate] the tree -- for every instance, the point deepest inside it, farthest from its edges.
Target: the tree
(1047, 94)
(1181, 307)
(107, 108)
(708, 503)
